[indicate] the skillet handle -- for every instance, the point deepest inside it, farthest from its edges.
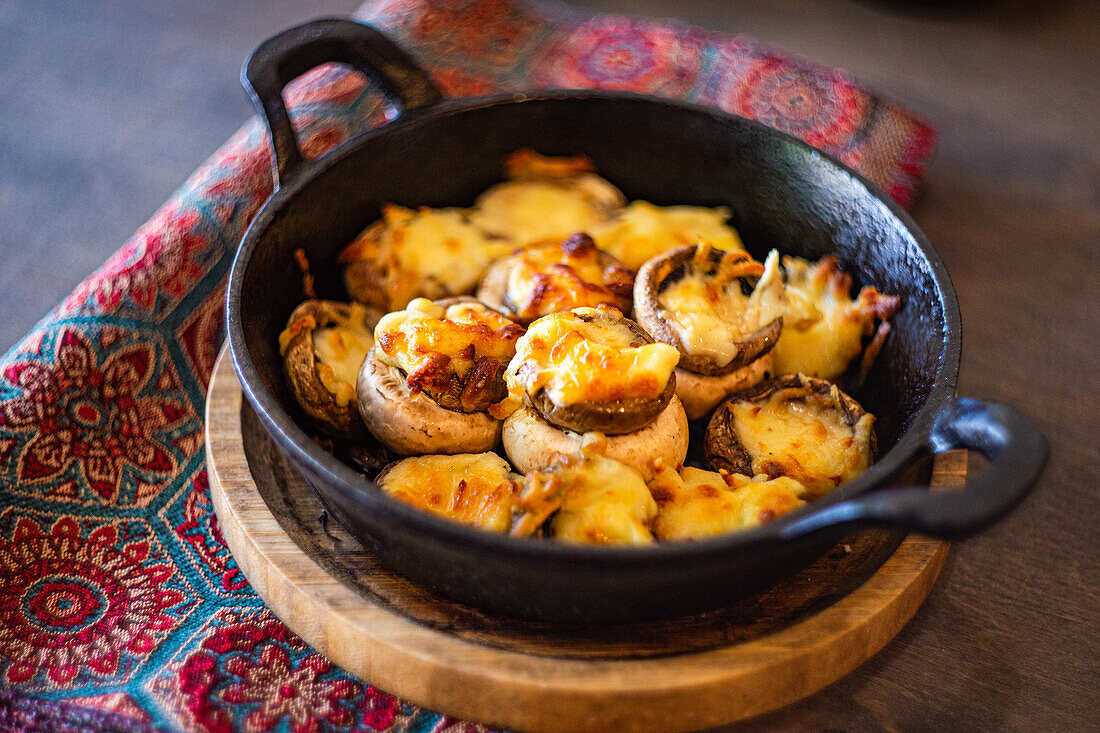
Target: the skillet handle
(282, 58)
(1016, 451)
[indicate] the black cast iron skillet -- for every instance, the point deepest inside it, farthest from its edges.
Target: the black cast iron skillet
(783, 194)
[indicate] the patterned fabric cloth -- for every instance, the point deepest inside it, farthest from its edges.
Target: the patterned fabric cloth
(120, 606)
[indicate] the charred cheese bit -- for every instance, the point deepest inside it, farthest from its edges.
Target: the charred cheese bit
(340, 351)
(476, 489)
(695, 503)
(434, 252)
(431, 344)
(642, 231)
(823, 347)
(803, 438)
(577, 360)
(711, 314)
(553, 277)
(603, 502)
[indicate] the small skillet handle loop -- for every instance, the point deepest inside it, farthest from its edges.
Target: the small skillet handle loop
(1016, 451)
(282, 58)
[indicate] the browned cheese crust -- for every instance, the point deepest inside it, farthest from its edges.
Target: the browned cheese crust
(559, 278)
(723, 448)
(615, 417)
(481, 388)
(656, 274)
(412, 424)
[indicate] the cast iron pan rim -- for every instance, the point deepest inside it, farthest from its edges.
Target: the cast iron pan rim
(359, 490)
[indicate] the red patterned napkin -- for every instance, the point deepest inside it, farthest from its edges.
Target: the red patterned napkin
(120, 606)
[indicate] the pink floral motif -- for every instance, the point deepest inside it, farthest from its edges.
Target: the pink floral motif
(80, 604)
(488, 33)
(254, 662)
(623, 54)
(92, 414)
(824, 108)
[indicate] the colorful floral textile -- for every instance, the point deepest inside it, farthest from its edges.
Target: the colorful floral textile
(120, 606)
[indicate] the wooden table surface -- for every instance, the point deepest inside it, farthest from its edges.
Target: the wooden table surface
(105, 108)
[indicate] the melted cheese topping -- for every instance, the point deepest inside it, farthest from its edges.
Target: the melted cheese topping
(712, 317)
(579, 361)
(695, 503)
(523, 212)
(642, 231)
(430, 344)
(603, 502)
(434, 252)
(554, 277)
(824, 345)
(803, 438)
(475, 489)
(339, 352)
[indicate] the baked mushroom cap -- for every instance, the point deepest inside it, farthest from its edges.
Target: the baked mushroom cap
(317, 386)
(415, 424)
(701, 393)
(432, 253)
(531, 442)
(695, 503)
(545, 198)
(475, 489)
(556, 276)
(625, 414)
(825, 332)
(659, 273)
(827, 440)
(641, 231)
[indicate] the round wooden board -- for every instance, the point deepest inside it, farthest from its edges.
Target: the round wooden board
(682, 674)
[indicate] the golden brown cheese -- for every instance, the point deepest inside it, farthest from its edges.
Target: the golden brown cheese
(824, 346)
(603, 502)
(430, 343)
(432, 252)
(553, 277)
(710, 313)
(524, 212)
(695, 503)
(476, 489)
(805, 439)
(577, 361)
(642, 231)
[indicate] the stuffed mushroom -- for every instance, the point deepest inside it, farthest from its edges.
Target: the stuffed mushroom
(600, 500)
(433, 253)
(475, 489)
(642, 231)
(721, 310)
(435, 369)
(323, 346)
(830, 333)
(592, 370)
(545, 198)
(694, 503)
(556, 276)
(796, 426)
